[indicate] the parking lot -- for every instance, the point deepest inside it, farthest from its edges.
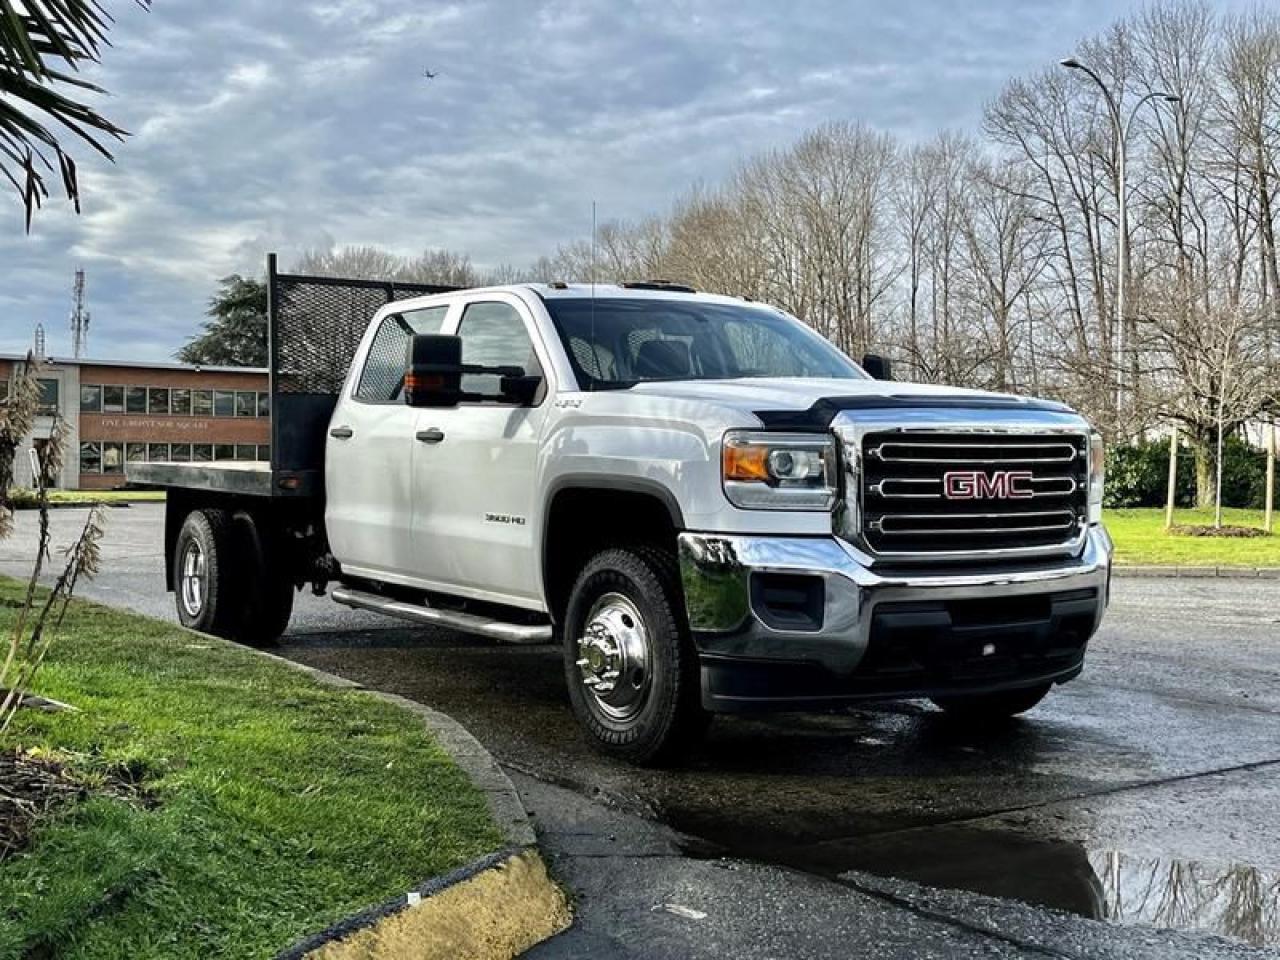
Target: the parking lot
(1146, 792)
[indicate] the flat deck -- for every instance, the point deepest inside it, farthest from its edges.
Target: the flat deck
(248, 477)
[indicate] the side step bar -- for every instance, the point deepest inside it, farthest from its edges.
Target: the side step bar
(456, 620)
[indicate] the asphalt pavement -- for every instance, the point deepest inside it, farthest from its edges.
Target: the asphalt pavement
(1145, 795)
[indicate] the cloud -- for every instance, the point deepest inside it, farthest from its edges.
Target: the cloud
(285, 126)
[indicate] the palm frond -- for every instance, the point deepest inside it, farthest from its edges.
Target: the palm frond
(42, 44)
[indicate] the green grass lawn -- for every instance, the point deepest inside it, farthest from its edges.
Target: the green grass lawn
(25, 499)
(274, 805)
(105, 496)
(1141, 538)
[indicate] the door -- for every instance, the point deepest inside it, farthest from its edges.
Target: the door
(474, 468)
(369, 455)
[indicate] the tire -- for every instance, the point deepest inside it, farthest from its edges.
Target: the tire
(226, 581)
(994, 706)
(204, 565)
(650, 711)
(267, 594)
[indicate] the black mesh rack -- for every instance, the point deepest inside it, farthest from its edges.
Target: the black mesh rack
(314, 325)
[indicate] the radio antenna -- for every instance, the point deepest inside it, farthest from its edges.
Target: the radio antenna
(595, 350)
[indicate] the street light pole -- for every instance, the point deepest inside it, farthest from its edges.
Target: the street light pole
(1120, 131)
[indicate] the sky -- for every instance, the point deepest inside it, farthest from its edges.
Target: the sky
(289, 125)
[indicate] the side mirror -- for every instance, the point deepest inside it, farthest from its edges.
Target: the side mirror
(877, 367)
(521, 390)
(433, 371)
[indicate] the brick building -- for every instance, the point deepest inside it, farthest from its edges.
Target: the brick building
(121, 411)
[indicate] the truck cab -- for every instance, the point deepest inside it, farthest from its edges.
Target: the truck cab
(703, 502)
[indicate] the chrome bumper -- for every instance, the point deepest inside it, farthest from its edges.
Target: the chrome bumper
(717, 570)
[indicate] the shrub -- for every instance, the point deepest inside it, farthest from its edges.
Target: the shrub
(1138, 474)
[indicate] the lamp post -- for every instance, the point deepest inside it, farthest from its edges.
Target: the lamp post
(1120, 130)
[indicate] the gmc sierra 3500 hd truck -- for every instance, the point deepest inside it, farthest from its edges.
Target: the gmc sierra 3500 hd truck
(708, 505)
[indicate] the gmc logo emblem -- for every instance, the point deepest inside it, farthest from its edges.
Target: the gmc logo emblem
(980, 485)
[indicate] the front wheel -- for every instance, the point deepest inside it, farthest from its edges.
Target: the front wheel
(994, 706)
(629, 661)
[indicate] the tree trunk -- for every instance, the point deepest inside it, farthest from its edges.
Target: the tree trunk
(1206, 485)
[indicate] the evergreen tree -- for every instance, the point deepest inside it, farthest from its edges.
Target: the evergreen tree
(235, 335)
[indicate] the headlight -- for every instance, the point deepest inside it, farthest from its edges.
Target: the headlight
(779, 471)
(1097, 476)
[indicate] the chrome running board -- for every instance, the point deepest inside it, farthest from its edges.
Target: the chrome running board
(456, 620)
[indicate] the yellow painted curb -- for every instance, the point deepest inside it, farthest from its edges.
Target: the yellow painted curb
(498, 912)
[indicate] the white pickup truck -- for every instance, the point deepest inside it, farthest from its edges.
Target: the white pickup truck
(708, 506)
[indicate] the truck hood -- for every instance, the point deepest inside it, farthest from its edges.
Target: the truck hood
(751, 395)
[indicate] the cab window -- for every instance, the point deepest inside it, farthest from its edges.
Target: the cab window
(382, 379)
(494, 335)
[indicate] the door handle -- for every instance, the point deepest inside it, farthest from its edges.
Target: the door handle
(342, 433)
(434, 435)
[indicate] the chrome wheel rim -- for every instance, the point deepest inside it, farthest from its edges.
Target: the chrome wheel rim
(193, 578)
(614, 659)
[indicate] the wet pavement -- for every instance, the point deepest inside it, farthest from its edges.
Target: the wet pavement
(1146, 792)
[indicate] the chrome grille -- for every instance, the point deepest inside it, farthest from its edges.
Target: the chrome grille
(939, 492)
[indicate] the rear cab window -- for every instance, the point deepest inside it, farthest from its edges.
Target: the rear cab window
(382, 377)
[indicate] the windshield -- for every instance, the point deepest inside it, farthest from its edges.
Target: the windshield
(614, 342)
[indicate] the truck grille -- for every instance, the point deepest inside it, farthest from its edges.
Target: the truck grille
(929, 493)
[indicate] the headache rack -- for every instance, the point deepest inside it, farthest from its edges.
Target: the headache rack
(314, 326)
(934, 493)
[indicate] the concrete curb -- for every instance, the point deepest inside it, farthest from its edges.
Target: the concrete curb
(498, 906)
(1167, 572)
(495, 907)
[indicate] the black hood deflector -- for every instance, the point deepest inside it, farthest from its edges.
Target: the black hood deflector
(820, 415)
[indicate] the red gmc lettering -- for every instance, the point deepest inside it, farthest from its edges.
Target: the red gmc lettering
(980, 485)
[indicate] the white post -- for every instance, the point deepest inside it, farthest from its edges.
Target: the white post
(1122, 258)
(1173, 478)
(1268, 509)
(1217, 505)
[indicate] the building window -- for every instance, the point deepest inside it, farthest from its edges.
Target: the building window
(90, 399)
(158, 452)
(180, 405)
(48, 396)
(135, 400)
(246, 451)
(113, 399)
(4, 390)
(113, 458)
(202, 452)
(180, 452)
(264, 404)
(90, 458)
(246, 403)
(202, 403)
(224, 403)
(264, 451)
(158, 400)
(135, 452)
(224, 451)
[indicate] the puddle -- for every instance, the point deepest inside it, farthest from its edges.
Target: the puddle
(1231, 900)
(1236, 901)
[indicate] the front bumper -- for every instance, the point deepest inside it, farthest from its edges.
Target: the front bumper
(807, 622)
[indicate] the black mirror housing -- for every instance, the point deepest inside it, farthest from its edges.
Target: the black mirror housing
(877, 366)
(521, 390)
(433, 371)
